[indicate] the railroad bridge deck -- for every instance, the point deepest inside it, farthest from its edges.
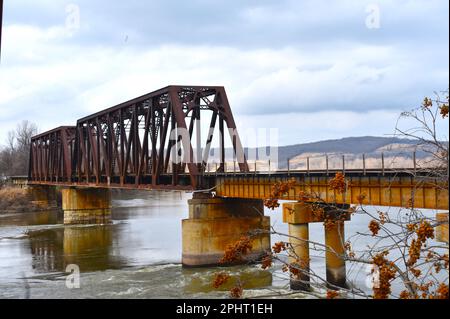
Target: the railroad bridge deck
(155, 142)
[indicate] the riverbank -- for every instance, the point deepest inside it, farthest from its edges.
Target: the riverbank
(15, 200)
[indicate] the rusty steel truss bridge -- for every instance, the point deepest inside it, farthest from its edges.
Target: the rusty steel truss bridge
(133, 145)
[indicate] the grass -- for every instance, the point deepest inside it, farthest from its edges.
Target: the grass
(16, 200)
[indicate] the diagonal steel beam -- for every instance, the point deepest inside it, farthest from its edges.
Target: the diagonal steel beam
(180, 119)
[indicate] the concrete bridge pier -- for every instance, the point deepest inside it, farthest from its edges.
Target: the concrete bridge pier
(442, 229)
(298, 215)
(214, 223)
(86, 205)
(299, 243)
(335, 264)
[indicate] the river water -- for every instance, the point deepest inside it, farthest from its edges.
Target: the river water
(137, 256)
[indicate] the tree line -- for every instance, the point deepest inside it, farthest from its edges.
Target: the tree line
(14, 156)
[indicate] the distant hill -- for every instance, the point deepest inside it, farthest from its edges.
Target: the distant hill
(398, 153)
(351, 147)
(348, 145)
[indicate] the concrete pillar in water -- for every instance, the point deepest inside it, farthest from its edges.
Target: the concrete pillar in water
(442, 229)
(298, 215)
(214, 223)
(301, 250)
(335, 264)
(86, 205)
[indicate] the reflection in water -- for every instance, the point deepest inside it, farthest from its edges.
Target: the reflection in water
(89, 247)
(138, 256)
(46, 247)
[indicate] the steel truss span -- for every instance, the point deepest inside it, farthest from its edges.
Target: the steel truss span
(155, 142)
(147, 142)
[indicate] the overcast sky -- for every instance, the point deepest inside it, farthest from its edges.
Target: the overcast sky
(313, 69)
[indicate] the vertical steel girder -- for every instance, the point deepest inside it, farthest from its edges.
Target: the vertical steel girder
(137, 143)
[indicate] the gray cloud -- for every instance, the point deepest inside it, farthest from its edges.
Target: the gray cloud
(273, 56)
(254, 23)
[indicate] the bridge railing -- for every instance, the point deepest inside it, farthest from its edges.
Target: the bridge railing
(382, 161)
